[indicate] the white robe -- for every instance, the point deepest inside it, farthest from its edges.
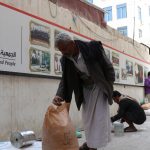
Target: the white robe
(96, 119)
(95, 111)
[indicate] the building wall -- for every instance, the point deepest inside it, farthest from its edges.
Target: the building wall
(132, 20)
(90, 1)
(24, 99)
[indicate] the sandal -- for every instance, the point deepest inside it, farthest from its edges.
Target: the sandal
(84, 147)
(130, 129)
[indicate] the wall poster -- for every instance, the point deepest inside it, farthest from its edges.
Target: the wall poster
(57, 64)
(128, 70)
(39, 61)
(129, 67)
(138, 73)
(27, 47)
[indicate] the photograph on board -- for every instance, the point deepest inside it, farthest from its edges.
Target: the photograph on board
(138, 73)
(56, 32)
(57, 64)
(115, 59)
(129, 67)
(117, 76)
(124, 74)
(39, 61)
(39, 34)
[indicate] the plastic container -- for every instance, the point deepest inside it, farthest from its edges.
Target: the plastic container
(118, 129)
(78, 134)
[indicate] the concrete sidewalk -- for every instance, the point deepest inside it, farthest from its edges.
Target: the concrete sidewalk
(139, 140)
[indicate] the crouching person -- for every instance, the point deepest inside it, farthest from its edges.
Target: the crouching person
(129, 111)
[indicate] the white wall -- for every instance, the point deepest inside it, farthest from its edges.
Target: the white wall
(24, 101)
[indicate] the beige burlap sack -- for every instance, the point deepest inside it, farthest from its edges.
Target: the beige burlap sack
(58, 130)
(146, 106)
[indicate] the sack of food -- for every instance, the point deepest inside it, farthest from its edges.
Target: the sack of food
(146, 106)
(58, 130)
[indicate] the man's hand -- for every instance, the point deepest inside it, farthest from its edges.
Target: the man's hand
(57, 101)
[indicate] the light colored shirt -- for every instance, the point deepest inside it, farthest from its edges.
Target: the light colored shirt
(80, 64)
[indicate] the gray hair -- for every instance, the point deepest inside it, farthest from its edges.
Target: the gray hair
(62, 37)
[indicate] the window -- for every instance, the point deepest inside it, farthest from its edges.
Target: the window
(140, 33)
(108, 13)
(139, 13)
(123, 30)
(121, 11)
(90, 1)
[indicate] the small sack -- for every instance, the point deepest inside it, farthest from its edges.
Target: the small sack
(58, 130)
(146, 106)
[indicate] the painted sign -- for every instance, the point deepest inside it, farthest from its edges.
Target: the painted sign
(27, 47)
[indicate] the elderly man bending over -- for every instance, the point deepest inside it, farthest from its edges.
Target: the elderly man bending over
(87, 72)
